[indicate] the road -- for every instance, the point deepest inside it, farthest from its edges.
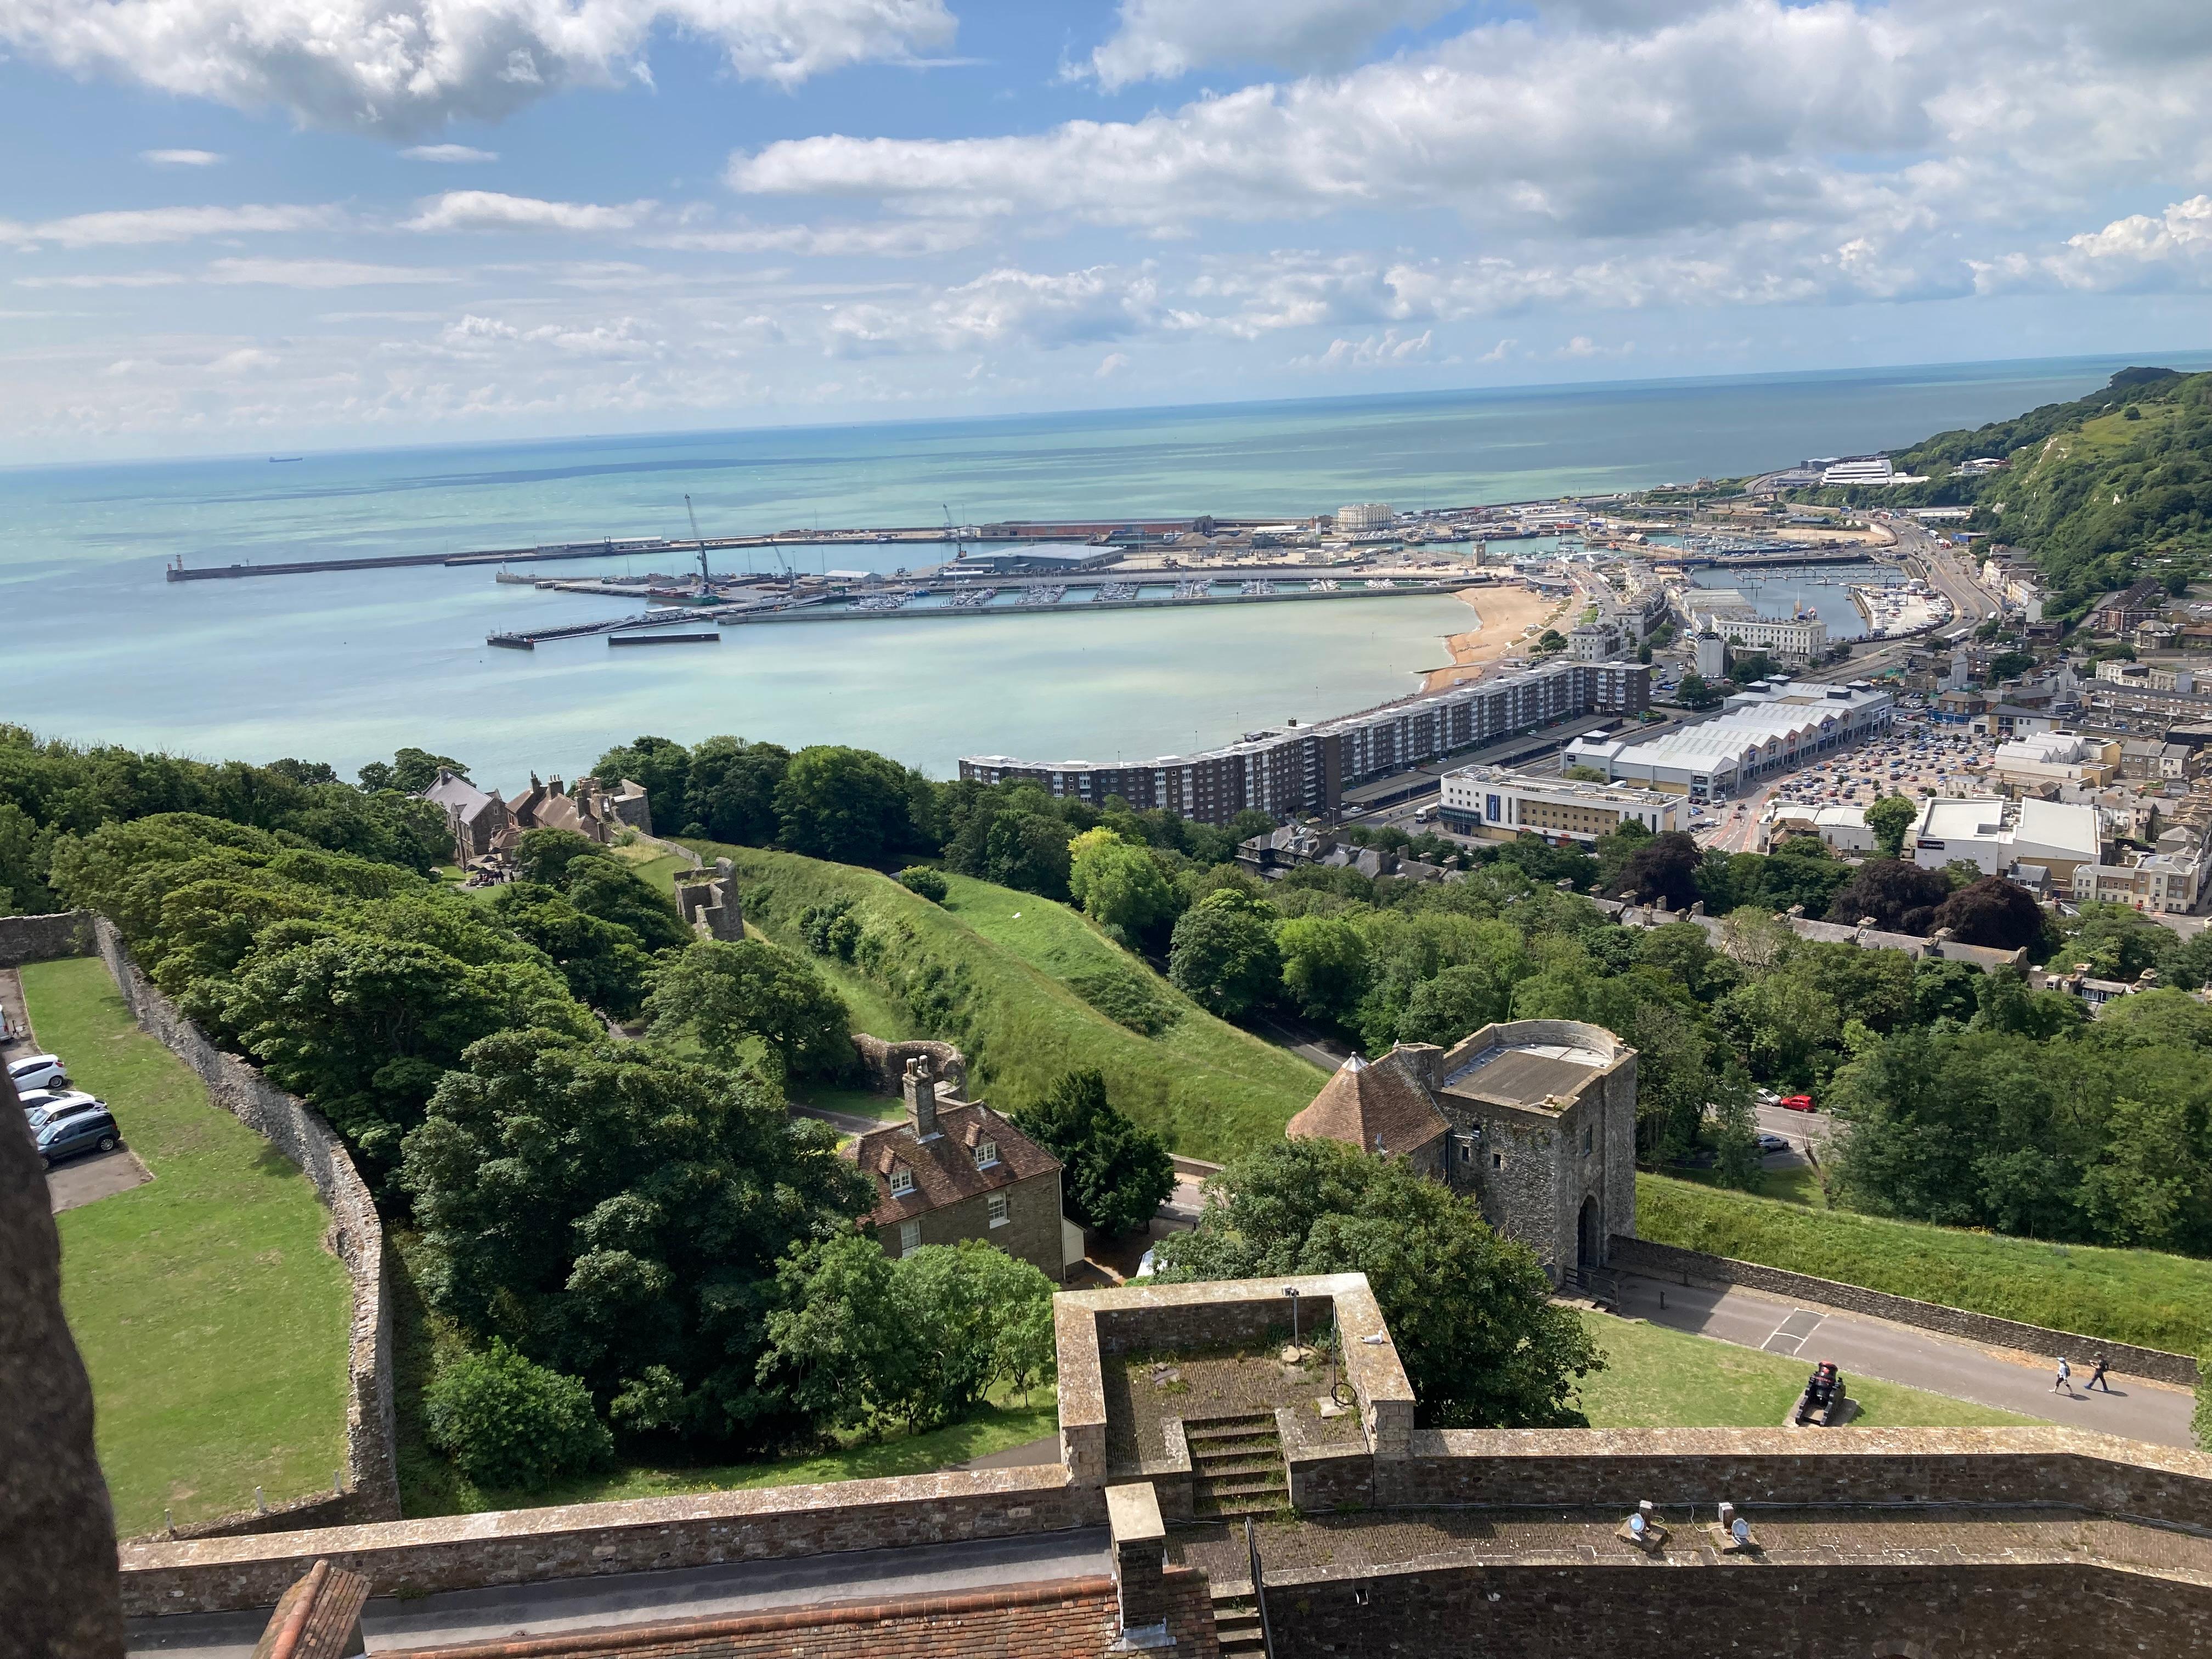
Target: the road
(490, 1615)
(1862, 1347)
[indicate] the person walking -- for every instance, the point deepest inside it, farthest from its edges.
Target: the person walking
(2064, 1382)
(2097, 1375)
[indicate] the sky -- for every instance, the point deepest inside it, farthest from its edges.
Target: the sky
(231, 225)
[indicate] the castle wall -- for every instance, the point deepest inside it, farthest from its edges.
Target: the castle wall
(44, 938)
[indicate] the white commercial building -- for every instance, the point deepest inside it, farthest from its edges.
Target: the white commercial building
(1773, 727)
(2052, 838)
(1711, 655)
(1843, 829)
(2046, 759)
(1805, 636)
(1499, 805)
(1859, 470)
(1365, 515)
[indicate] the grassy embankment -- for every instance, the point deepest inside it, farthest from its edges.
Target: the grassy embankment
(1028, 989)
(212, 1320)
(429, 1484)
(1658, 1378)
(2124, 1296)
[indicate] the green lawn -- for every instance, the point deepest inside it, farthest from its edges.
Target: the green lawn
(1658, 1378)
(212, 1320)
(855, 1102)
(649, 861)
(1021, 985)
(2124, 1295)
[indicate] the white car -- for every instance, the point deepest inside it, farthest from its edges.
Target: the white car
(37, 1072)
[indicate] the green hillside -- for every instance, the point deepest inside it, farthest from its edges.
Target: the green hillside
(1028, 989)
(2142, 1297)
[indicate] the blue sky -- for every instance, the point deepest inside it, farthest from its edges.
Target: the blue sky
(230, 225)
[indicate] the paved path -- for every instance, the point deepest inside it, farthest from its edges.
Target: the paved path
(845, 1123)
(1898, 1353)
(95, 1176)
(490, 1615)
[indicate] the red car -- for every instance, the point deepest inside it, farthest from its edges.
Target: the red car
(1796, 1103)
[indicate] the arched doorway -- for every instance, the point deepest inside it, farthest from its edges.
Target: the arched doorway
(1589, 1236)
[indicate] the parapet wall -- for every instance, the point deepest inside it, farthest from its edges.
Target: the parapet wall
(43, 938)
(287, 1123)
(474, 1551)
(884, 1063)
(1642, 1255)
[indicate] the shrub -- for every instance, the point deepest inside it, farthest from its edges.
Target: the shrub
(507, 1422)
(2200, 1424)
(921, 878)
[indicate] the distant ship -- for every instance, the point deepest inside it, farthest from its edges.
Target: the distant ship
(287, 458)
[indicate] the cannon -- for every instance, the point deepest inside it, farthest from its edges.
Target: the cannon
(1822, 1402)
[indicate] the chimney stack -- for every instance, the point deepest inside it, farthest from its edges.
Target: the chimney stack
(921, 1089)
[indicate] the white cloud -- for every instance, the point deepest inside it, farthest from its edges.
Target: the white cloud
(1112, 364)
(1002, 307)
(2170, 250)
(402, 67)
(448, 153)
(320, 273)
(486, 209)
(1383, 351)
(1160, 40)
(137, 226)
(885, 239)
(106, 279)
(179, 158)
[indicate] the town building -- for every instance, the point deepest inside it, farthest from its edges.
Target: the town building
(1709, 656)
(1859, 469)
(1840, 829)
(1496, 804)
(1295, 845)
(1534, 1119)
(2041, 762)
(1775, 726)
(1362, 517)
(476, 817)
(1037, 559)
(954, 1170)
(2036, 842)
(1292, 770)
(1805, 636)
(485, 826)
(2162, 882)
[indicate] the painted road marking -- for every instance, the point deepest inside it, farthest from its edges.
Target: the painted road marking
(1790, 1334)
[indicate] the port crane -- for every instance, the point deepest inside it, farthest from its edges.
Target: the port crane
(699, 542)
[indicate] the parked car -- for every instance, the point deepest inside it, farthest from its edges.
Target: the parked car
(1772, 1143)
(43, 1103)
(1766, 1097)
(77, 1133)
(37, 1072)
(1796, 1103)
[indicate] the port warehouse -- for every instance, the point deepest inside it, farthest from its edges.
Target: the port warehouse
(1297, 770)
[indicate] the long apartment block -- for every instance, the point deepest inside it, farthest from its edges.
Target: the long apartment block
(1291, 769)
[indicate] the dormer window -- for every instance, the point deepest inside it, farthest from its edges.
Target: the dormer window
(987, 1153)
(902, 1180)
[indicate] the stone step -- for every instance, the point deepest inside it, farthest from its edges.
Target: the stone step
(1233, 1508)
(1241, 1637)
(1236, 1463)
(1243, 1425)
(1247, 1485)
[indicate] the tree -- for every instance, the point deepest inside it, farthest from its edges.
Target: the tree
(1456, 1004)
(612, 891)
(1995, 912)
(1325, 966)
(837, 1345)
(1028, 851)
(543, 855)
(730, 790)
(1745, 666)
(2009, 665)
(843, 804)
(1470, 1312)
(509, 1424)
(1113, 1175)
(1120, 886)
(929, 882)
(1223, 953)
(1584, 775)
(1692, 692)
(662, 765)
(1889, 818)
(616, 1213)
(602, 961)
(720, 992)
(1666, 867)
(1550, 642)
(410, 772)
(1901, 897)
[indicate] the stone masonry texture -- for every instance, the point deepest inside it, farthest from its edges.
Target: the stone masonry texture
(356, 1238)
(43, 938)
(1669, 1260)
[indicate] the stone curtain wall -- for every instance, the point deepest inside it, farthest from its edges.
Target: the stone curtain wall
(884, 1064)
(520, 1547)
(372, 1485)
(43, 938)
(1642, 1255)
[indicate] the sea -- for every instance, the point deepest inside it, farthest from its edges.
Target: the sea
(96, 646)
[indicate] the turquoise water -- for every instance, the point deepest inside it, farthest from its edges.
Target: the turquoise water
(1823, 589)
(95, 645)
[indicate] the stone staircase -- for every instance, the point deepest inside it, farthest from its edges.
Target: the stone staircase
(1236, 1466)
(1237, 1624)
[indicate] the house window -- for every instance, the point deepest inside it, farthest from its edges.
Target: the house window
(909, 1237)
(987, 1153)
(997, 1206)
(901, 1181)
(1589, 1139)
(1497, 1160)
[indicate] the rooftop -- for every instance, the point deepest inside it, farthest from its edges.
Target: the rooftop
(1526, 1074)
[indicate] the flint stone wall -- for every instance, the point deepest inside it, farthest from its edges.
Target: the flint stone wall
(515, 1546)
(1642, 1255)
(44, 938)
(883, 1064)
(356, 1238)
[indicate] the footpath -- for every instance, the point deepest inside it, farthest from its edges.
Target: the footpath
(2011, 1380)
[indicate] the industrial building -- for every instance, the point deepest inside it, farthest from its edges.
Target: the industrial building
(2035, 843)
(1037, 559)
(1774, 727)
(1496, 804)
(1297, 769)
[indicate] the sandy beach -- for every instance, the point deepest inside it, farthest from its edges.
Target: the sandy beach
(1501, 612)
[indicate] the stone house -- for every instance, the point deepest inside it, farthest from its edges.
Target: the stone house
(591, 809)
(1534, 1119)
(955, 1169)
(479, 819)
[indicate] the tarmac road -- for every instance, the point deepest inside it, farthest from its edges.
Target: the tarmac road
(1862, 1347)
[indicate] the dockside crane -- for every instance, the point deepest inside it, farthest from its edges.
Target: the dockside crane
(699, 542)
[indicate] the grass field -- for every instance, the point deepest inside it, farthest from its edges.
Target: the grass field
(2124, 1296)
(1019, 983)
(212, 1320)
(1658, 1378)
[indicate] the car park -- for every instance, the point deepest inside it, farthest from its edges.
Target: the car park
(38, 1071)
(74, 1133)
